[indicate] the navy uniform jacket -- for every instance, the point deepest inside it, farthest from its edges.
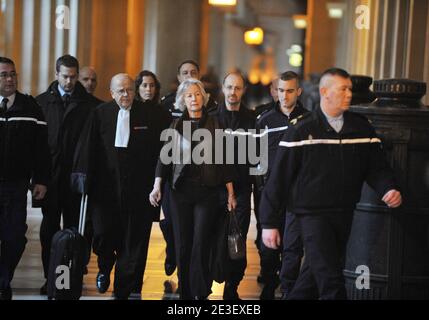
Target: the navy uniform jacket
(24, 150)
(274, 123)
(263, 108)
(318, 170)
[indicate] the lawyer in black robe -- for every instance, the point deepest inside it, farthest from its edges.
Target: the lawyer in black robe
(119, 183)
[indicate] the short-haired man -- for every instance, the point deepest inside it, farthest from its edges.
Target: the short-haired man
(88, 78)
(235, 117)
(318, 173)
(187, 69)
(66, 106)
(24, 156)
(259, 110)
(274, 123)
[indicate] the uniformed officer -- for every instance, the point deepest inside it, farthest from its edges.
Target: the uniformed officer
(187, 69)
(24, 156)
(318, 172)
(274, 123)
(259, 110)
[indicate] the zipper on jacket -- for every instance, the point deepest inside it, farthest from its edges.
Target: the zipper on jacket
(5, 147)
(342, 170)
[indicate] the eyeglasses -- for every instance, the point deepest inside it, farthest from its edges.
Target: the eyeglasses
(5, 75)
(124, 92)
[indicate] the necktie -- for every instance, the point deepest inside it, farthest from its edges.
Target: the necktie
(122, 129)
(4, 105)
(66, 100)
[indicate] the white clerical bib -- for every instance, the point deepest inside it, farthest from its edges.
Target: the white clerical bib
(122, 129)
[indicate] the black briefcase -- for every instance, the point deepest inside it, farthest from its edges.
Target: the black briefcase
(69, 257)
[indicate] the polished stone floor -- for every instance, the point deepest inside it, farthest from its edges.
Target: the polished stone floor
(29, 275)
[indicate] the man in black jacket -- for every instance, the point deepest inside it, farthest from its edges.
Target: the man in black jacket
(259, 110)
(122, 150)
(24, 155)
(318, 173)
(187, 69)
(237, 120)
(66, 106)
(274, 123)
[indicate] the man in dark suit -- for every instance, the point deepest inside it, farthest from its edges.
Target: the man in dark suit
(66, 106)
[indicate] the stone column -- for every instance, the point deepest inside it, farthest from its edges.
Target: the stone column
(168, 39)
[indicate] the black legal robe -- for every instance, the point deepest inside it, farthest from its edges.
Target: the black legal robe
(118, 182)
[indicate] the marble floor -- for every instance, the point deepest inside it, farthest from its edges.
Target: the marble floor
(29, 274)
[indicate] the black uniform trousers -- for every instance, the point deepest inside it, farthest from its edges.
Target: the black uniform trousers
(293, 251)
(243, 196)
(60, 200)
(13, 216)
(271, 262)
(325, 237)
(193, 212)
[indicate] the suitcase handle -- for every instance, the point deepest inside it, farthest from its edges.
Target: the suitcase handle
(82, 215)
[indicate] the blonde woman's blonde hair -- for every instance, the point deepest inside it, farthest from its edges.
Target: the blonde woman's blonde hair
(180, 96)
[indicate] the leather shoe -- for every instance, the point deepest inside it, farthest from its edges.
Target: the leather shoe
(102, 282)
(230, 292)
(268, 293)
(6, 294)
(169, 268)
(44, 289)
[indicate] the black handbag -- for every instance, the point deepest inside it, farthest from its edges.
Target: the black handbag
(236, 242)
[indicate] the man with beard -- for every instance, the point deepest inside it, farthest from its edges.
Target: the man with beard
(235, 118)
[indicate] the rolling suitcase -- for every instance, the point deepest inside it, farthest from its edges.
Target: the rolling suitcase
(69, 257)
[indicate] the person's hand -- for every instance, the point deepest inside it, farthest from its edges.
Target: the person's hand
(155, 196)
(39, 191)
(271, 238)
(393, 198)
(232, 202)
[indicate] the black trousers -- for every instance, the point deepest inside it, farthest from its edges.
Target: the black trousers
(293, 251)
(325, 239)
(60, 200)
(166, 226)
(271, 262)
(243, 195)
(13, 216)
(194, 212)
(126, 243)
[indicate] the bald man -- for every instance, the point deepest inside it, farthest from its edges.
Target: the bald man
(121, 153)
(88, 78)
(235, 116)
(318, 173)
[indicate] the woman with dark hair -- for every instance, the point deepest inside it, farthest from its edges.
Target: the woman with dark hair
(194, 190)
(148, 88)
